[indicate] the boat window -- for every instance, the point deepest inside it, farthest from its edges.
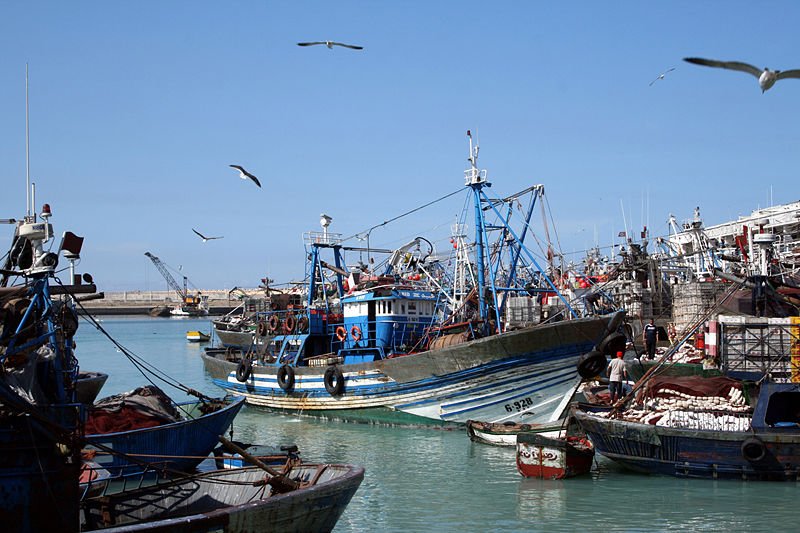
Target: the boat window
(402, 308)
(412, 308)
(390, 306)
(783, 408)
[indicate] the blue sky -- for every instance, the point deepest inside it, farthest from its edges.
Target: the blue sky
(138, 108)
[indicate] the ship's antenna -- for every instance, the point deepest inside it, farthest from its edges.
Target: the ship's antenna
(27, 150)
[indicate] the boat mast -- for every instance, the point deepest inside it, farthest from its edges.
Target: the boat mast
(476, 180)
(27, 150)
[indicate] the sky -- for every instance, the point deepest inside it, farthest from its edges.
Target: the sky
(138, 108)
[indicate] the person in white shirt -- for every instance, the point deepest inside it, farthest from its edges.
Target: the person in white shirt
(616, 372)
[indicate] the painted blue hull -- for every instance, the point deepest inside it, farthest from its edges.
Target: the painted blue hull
(178, 446)
(516, 376)
(38, 481)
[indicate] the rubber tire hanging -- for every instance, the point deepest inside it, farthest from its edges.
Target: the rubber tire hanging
(592, 364)
(244, 369)
(286, 378)
(334, 380)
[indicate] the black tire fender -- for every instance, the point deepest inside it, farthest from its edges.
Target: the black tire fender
(334, 380)
(613, 343)
(244, 369)
(286, 378)
(753, 449)
(592, 364)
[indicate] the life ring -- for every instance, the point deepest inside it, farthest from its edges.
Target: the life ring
(302, 324)
(341, 333)
(355, 332)
(244, 369)
(334, 380)
(613, 343)
(592, 364)
(289, 324)
(274, 323)
(262, 329)
(753, 449)
(286, 378)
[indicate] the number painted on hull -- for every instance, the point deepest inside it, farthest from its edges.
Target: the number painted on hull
(518, 406)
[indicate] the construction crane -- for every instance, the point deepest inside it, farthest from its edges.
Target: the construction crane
(190, 302)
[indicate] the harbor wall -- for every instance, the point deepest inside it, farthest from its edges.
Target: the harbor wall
(140, 302)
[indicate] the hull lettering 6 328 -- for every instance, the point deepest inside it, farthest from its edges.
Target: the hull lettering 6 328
(518, 405)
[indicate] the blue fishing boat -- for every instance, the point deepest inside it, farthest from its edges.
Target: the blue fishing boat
(40, 416)
(169, 438)
(408, 341)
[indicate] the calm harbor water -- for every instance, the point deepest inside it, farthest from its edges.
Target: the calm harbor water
(437, 480)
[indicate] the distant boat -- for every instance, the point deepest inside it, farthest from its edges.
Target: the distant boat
(159, 311)
(233, 500)
(197, 336)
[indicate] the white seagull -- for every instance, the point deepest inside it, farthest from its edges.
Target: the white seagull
(331, 44)
(766, 77)
(205, 239)
(661, 76)
(245, 174)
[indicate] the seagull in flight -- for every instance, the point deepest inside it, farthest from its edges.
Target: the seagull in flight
(245, 174)
(331, 44)
(205, 239)
(661, 76)
(766, 77)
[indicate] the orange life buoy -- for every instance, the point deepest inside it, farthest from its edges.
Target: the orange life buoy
(355, 332)
(289, 324)
(341, 333)
(274, 323)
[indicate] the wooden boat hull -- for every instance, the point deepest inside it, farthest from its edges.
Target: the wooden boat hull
(227, 501)
(545, 457)
(178, 446)
(518, 376)
(500, 434)
(694, 453)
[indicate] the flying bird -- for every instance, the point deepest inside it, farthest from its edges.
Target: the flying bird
(205, 239)
(766, 77)
(661, 76)
(331, 44)
(245, 174)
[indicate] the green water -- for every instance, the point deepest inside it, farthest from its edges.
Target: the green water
(427, 479)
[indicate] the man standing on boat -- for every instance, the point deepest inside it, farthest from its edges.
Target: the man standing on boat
(650, 334)
(616, 371)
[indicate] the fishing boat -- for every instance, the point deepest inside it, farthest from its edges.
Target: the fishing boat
(143, 429)
(245, 325)
(544, 456)
(743, 424)
(197, 336)
(234, 500)
(406, 341)
(40, 423)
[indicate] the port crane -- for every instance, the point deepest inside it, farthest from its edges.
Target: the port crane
(192, 305)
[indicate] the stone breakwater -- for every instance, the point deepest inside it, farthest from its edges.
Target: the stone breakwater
(140, 302)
